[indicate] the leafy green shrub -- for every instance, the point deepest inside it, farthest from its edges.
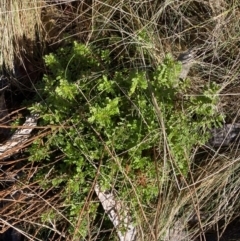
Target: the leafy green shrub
(105, 119)
(184, 116)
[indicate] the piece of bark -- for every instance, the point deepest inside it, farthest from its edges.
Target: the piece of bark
(119, 214)
(17, 140)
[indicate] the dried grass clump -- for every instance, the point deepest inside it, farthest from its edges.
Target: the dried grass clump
(19, 22)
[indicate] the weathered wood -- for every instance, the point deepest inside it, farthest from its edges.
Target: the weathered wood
(187, 60)
(225, 136)
(16, 142)
(119, 214)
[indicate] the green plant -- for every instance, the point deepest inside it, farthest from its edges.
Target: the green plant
(104, 119)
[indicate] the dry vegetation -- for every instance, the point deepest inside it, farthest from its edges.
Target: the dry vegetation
(31, 29)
